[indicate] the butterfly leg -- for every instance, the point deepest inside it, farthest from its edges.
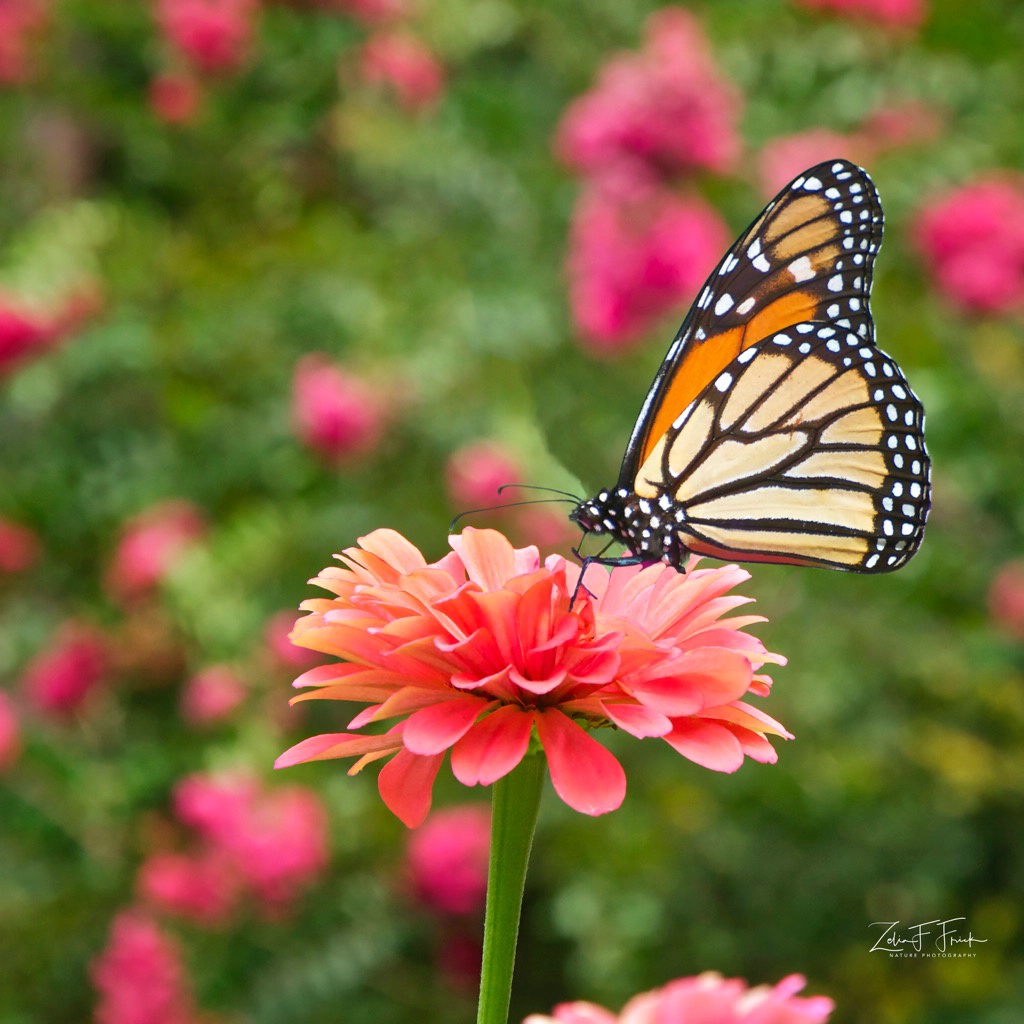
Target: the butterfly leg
(589, 560)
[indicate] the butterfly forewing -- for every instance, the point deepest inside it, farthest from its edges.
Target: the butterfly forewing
(808, 256)
(775, 429)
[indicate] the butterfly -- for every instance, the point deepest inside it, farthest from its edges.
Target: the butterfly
(775, 429)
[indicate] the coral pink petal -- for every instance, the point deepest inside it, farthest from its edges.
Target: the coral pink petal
(707, 744)
(638, 720)
(406, 783)
(492, 747)
(585, 775)
(394, 549)
(434, 729)
(336, 744)
(487, 555)
(539, 686)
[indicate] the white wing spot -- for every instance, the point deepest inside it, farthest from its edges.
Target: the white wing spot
(760, 263)
(801, 269)
(723, 305)
(812, 184)
(724, 382)
(835, 283)
(745, 306)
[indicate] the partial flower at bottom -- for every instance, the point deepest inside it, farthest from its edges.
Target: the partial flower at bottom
(484, 651)
(705, 999)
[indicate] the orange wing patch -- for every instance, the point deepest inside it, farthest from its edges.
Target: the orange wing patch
(708, 358)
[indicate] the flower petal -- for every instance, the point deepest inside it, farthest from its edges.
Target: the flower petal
(393, 548)
(488, 557)
(334, 744)
(406, 785)
(493, 746)
(707, 744)
(434, 729)
(585, 774)
(637, 720)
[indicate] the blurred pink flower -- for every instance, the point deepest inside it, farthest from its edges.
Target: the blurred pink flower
(972, 240)
(705, 999)
(20, 20)
(175, 97)
(277, 634)
(476, 652)
(22, 334)
(275, 839)
(668, 107)
(149, 546)
(476, 471)
(784, 157)
(213, 35)
(19, 547)
(10, 732)
(61, 676)
(636, 252)
(401, 62)
(446, 860)
(203, 886)
(140, 977)
(212, 695)
(893, 14)
(336, 414)
(1006, 598)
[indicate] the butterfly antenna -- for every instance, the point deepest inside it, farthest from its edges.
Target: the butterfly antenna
(511, 504)
(536, 487)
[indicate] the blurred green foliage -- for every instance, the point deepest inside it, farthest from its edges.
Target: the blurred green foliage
(295, 215)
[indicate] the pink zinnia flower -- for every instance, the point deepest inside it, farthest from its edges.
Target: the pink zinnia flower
(212, 695)
(10, 732)
(213, 35)
(275, 839)
(336, 414)
(403, 64)
(1006, 598)
(476, 471)
(203, 886)
(668, 107)
(972, 239)
(893, 14)
(477, 652)
(19, 547)
(705, 999)
(59, 678)
(149, 546)
(140, 976)
(446, 860)
(636, 252)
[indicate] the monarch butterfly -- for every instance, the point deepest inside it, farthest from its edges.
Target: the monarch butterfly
(775, 430)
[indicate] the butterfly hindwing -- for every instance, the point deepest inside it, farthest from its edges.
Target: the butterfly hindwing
(808, 256)
(808, 449)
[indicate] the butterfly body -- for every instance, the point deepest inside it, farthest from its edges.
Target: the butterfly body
(775, 429)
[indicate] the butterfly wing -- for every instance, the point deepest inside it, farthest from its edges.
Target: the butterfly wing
(808, 448)
(775, 429)
(807, 257)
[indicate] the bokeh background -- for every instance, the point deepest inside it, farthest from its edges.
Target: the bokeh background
(273, 274)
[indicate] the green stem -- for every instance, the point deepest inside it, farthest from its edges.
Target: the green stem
(515, 801)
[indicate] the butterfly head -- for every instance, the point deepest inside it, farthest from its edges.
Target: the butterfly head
(649, 529)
